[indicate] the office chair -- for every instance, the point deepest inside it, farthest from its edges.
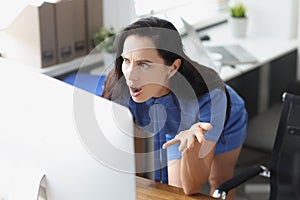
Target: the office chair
(284, 170)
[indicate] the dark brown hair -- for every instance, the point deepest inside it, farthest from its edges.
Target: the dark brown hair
(169, 45)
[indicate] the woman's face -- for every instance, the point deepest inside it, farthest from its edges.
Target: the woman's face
(144, 70)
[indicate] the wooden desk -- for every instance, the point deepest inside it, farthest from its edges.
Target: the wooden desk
(148, 189)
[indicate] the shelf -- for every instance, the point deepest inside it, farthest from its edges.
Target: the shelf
(90, 60)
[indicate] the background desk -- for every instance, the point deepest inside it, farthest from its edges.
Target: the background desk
(260, 84)
(148, 189)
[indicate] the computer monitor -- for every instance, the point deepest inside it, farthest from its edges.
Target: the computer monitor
(83, 143)
(196, 50)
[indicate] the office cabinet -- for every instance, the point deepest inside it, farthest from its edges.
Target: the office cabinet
(247, 86)
(282, 73)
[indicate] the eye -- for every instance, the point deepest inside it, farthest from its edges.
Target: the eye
(144, 66)
(126, 61)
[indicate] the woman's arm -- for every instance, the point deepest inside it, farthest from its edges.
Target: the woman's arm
(197, 156)
(195, 170)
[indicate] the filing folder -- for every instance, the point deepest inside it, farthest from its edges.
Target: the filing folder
(94, 19)
(79, 33)
(48, 35)
(64, 30)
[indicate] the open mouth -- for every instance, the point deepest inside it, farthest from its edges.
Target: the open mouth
(135, 91)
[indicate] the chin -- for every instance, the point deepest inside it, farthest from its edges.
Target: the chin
(140, 99)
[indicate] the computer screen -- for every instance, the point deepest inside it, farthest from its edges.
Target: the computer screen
(83, 143)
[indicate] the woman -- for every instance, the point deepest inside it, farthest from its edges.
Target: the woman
(198, 122)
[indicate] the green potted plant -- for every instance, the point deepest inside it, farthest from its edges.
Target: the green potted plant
(104, 39)
(238, 10)
(103, 42)
(238, 19)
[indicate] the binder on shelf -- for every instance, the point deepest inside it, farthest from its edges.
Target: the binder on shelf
(79, 31)
(64, 31)
(94, 19)
(47, 35)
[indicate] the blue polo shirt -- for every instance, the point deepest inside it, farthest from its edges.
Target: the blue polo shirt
(166, 116)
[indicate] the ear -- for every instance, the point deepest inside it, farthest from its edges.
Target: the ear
(174, 67)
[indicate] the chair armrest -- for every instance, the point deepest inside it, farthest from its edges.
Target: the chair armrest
(222, 190)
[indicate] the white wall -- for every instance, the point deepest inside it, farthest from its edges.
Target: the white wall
(274, 18)
(118, 13)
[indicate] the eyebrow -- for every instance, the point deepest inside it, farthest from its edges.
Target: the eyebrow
(144, 60)
(140, 60)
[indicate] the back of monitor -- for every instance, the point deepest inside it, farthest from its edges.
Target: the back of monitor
(83, 143)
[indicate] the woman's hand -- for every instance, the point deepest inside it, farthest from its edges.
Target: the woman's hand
(188, 137)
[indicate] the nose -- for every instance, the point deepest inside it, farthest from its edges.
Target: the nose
(131, 73)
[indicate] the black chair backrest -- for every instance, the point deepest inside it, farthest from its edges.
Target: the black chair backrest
(285, 162)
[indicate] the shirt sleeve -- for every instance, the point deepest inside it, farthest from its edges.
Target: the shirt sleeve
(213, 107)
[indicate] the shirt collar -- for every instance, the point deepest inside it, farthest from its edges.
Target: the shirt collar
(164, 100)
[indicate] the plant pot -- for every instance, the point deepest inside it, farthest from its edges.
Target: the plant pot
(238, 26)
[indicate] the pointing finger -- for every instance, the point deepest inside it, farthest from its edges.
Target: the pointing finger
(170, 143)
